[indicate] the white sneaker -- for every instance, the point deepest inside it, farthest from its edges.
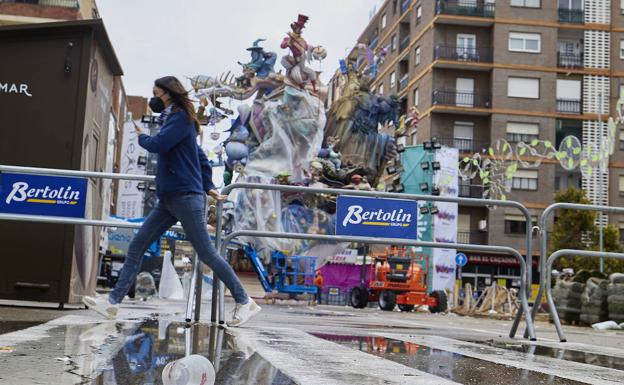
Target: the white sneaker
(243, 313)
(101, 305)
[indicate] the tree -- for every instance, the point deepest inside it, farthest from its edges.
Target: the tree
(574, 229)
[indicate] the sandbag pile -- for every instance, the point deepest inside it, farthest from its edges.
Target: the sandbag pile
(567, 297)
(594, 305)
(615, 297)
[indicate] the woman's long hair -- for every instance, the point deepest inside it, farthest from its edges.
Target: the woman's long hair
(179, 97)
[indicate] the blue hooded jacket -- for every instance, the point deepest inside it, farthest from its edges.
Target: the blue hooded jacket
(183, 166)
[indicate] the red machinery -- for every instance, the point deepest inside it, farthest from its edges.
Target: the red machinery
(396, 278)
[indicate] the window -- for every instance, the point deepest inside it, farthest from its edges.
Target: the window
(525, 3)
(419, 14)
(568, 89)
(622, 7)
(524, 180)
(417, 59)
(384, 21)
(392, 80)
(525, 42)
(515, 224)
(523, 88)
(393, 42)
(621, 140)
(621, 185)
(522, 132)
(463, 136)
(621, 229)
(381, 90)
(416, 97)
(621, 49)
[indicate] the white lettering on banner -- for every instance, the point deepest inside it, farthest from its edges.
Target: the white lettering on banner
(21, 192)
(14, 88)
(356, 215)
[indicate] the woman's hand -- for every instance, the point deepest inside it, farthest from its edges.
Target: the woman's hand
(138, 130)
(215, 195)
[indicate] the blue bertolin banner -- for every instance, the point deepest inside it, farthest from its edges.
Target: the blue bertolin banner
(42, 195)
(376, 217)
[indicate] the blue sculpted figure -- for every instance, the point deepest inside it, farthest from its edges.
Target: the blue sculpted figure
(262, 62)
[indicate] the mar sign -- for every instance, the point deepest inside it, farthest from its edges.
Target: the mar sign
(376, 217)
(42, 195)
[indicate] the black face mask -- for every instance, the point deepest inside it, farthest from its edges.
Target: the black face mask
(157, 105)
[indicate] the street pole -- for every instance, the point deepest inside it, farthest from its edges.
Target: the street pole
(601, 149)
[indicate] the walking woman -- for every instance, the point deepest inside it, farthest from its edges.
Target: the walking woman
(183, 178)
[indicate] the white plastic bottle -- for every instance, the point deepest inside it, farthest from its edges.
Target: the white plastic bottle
(191, 370)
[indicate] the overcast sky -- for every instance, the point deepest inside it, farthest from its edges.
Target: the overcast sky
(153, 38)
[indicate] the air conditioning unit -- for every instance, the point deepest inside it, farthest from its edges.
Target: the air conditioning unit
(483, 225)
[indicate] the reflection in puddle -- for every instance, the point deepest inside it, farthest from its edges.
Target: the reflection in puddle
(561, 354)
(11, 326)
(147, 349)
(453, 366)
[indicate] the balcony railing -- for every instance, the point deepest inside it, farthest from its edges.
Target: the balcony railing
(403, 82)
(570, 60)
(470, 191)
(373, 42)
(465, 8)
(405, 5)
(461, 99)
(472, 237)
(404, 43)
(568, 15)
(465, 145)
(465, 54)
(569, 106)
(47, 3)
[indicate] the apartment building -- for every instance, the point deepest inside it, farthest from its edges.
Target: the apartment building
(483, 70)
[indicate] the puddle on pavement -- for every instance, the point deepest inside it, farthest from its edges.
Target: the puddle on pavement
(129, 353)
(562, 354)
(11, 326)
(151, 346)
(449, 365)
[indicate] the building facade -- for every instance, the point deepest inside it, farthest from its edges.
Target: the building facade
(42, 11)
(483, 70)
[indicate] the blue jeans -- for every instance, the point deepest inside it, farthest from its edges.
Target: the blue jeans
(190, 210)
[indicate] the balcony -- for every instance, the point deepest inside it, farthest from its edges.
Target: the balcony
(465, 8)
(465, 146)
(461, 99)
(569, 15)
(470, 191)
(48, 3)
(472, 237)
(570, 60)
(405, 5)
(463, 54)
(569, 106)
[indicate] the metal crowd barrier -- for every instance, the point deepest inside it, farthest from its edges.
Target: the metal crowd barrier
(549, 263)
(218, 290)
(543, 226)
